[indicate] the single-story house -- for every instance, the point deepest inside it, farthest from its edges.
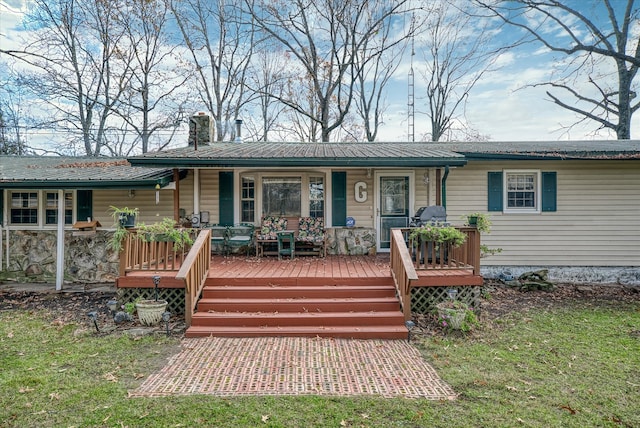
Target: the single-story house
(572, 207)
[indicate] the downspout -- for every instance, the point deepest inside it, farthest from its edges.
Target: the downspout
(443, 186)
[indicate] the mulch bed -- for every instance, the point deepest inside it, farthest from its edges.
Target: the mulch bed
(68, 307)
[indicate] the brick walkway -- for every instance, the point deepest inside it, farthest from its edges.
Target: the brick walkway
(296, 366)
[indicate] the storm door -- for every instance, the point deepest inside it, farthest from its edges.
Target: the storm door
(393, 205)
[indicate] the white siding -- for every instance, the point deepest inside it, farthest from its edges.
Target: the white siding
(209, 193)
(597, 222)
(144, 200)
(362, 212)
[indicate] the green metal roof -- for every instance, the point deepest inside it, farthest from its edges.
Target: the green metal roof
(261, 154)
(48, 172)
(545, 150)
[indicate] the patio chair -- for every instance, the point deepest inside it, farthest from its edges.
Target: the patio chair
(240, 236)
(311, 235)
(267, 234)
(219, 239)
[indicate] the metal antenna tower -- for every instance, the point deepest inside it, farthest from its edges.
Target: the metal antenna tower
(411, 93)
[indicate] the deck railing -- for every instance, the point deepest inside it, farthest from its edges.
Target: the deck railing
(139, 254)
(194, 271)
(407, 260)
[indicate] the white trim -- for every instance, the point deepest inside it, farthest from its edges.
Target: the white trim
(538, 192)
(42, 210)
(258, 175)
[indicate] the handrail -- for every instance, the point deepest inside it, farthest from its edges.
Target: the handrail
(402, 270)
(139, 254)
(429, 255)
(194, 272)
(406, 261)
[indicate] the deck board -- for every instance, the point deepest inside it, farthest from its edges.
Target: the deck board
(330, 269)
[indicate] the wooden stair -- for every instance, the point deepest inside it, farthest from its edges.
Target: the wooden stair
(258, 308)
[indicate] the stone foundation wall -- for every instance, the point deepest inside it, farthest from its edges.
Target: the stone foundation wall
(32, 257)
(351, 240)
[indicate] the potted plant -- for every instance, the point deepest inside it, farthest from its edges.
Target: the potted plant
(150, 311)
(125, 216)
(482, 222)
(122, 218)
(478, 220)
(456, 315)
(439, 234)
(166, 231)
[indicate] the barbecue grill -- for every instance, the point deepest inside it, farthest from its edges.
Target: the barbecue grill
(428, 215)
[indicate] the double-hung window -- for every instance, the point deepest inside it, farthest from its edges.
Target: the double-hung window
(51, 209)
(522, 191)
(248, 200)
(24, 208)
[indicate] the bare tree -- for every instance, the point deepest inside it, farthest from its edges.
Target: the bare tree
(594, 36)
(149, 104)
(267, 79)
(325, 36)
(220, 42)
(377, 60)
(456, 53)
(81, 69)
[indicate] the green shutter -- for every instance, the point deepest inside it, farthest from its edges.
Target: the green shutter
(84, 204)
(549, 193)
(226, 198)
(1, 209)
(494, 191)
(339, 198)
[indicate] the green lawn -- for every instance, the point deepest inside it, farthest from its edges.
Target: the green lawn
(566, 367)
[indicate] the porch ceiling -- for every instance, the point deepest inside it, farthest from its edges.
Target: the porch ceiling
(259, 154)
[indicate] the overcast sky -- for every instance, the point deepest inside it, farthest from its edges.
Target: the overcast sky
(500, 107)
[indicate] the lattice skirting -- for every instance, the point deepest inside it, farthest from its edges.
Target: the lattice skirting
(173, 296)
(425, 299)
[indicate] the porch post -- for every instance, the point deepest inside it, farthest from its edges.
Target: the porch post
(196, 191)
(60, 248)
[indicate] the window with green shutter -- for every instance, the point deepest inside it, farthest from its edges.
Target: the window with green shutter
(226, 198)
(549, 191)
(494, 196)
(84, 205)
(339, 198)
(522, 191)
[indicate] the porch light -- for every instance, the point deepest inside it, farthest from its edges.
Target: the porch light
(166, 316)
(410, 325)
(93, 316)
(113, 306)
(156, 282)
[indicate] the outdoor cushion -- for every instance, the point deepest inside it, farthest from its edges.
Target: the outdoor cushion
(270, 226)
(311, 229)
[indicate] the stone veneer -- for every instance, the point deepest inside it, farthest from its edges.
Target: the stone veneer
(351, 240)
(32, 257)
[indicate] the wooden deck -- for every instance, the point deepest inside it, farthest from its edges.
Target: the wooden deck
(330, 270)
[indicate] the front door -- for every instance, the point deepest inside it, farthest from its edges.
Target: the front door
(392, 206)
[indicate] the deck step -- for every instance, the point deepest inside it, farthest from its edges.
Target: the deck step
(344, 332)
(279, 319)
(304, 307)
(290, 291)
(300, 281)
(362, 304)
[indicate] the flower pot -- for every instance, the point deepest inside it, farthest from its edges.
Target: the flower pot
(127, 220)
(150, 311)
(454, 318)
(472, 220)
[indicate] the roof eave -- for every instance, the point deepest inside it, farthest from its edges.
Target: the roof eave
(288, 162)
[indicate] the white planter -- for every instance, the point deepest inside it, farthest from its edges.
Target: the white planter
(150, 311)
